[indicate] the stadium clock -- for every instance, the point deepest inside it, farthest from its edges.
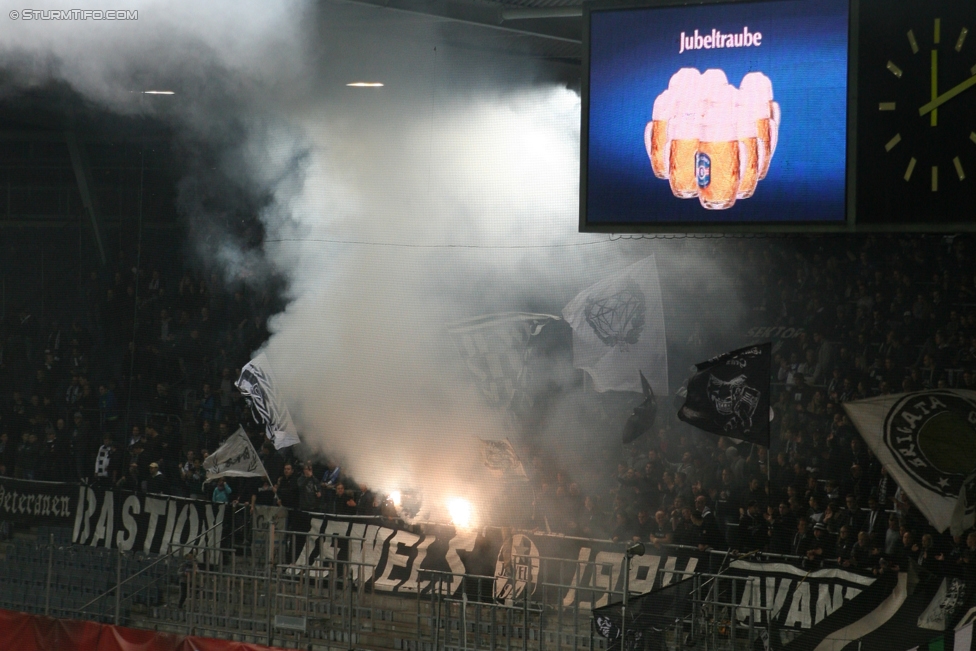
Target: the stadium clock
(917, 113)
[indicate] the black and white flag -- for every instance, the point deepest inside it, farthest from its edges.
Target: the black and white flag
(618, 330)
(729, 395)
(500, 456)
(257, 385)
(642, 419)
(927, 442)
(648, 616)
(496, 349)
(235, 457)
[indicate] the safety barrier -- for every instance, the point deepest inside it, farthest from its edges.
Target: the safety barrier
(302, 589)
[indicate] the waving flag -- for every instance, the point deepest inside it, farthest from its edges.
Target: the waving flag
(730, 395)
(257, 385)
(618, 330)
(500, 456)
(236, 457)
(927, 442)
(496, 350)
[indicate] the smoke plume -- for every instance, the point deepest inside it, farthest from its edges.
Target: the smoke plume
(392, 212)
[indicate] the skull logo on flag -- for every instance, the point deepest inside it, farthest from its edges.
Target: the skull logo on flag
(734, 399)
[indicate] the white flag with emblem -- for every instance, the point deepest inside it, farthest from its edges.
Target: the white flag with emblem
(927, 441)
(257, 384)
(236, 457)
(496, 349)
(618, 330)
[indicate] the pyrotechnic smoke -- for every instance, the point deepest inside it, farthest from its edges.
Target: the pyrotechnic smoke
(450, 192)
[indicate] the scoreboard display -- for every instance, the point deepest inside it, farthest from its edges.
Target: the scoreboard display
(724, 114)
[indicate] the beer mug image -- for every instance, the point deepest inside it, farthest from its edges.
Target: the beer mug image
(759, 91)
(682, 157)
(710, 139)
(656, 135)
(717, 164)
(683, 131)
(751, 154)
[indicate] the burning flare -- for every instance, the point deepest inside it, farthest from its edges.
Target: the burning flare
(460, 510)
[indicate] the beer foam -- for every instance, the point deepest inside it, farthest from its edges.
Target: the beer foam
(685, 91)
(663, 107)
(759, 88)
(718, 122)
(684, 127)
(683, 78)
(745, 115)
(713, 78)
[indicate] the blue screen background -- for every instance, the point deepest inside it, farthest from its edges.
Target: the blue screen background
(634, 53)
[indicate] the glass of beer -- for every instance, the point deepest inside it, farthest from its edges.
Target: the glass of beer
(759, 90)
(683, 134)
(656, 135)
(750, 153)
(717, 162)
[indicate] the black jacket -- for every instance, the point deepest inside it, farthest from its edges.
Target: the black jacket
(288, 492)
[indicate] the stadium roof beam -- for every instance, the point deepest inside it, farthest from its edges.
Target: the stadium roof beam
(542, 13)
(489, 15)
(79, 161)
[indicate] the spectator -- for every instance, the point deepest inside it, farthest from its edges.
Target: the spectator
(845, 546)
(288, 488)
(802, 540)
(783, 527)
(157, 482)
(309, 491)
(222, 492)
(661, 533)
(106, 462)
(130, 481)
(193, 479)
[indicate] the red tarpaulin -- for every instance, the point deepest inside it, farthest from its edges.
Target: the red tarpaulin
(26, 632)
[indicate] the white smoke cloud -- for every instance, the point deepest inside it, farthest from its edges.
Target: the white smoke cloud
(448, 193)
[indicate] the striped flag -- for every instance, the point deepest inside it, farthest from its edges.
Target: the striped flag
(257, 385)
(236, 457)
(496, 348)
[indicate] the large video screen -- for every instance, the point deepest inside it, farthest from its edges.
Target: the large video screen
(716, 115)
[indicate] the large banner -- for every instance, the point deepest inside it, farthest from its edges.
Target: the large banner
(37, 502)
(799, 598)
(155, 524)
(513, 567)
(387, 556)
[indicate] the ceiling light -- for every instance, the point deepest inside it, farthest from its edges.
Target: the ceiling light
(158, 92)
(365, 84)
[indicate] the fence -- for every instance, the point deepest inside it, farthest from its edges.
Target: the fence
(280, 598)
(329, 602)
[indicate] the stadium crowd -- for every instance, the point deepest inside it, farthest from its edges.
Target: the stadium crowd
(138, 387)
(861, 318)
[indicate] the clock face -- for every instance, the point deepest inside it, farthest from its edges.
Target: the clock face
(916, 137)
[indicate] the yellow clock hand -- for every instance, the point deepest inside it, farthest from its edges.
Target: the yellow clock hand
(946, 96)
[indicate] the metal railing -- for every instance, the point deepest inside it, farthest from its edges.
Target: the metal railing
(281, 597)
